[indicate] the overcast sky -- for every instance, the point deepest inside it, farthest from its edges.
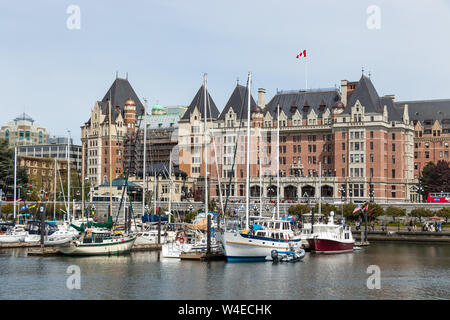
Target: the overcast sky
(56, 74)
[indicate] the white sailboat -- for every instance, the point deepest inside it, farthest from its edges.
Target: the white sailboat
(98, 238)
(194, 240)
(275, 234)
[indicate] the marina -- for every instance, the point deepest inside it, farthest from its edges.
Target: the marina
(421, 271)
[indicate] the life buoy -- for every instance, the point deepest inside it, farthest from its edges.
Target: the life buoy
(181, 239)
(89, 233)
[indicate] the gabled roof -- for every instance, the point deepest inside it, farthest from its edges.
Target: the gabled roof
(304, 102)
(238, 102)
(368, 96)
(119, 92)
(422, 110)
(199, 102)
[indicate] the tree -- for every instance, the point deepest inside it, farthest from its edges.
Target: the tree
(376, 209)
(299, 209)
(421, 212)
(7, 171)
(393, 212)
(444, 213)
(324, 208)
(348, 211)
(436, 177)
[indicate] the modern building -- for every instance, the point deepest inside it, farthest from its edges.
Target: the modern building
(359, 142)
(56, 147)
(24, 131)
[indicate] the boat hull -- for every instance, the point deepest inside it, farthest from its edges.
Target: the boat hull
(329, 246)
(245, 248)
(12, 238)
(92, 249)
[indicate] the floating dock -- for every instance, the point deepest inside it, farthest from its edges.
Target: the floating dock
(19, 245)
(146, 247)
(43, 252)
(406, 236)
(202, 256)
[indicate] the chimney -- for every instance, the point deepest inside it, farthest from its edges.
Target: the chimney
(406, 114)
(344, 91)
(262, 98)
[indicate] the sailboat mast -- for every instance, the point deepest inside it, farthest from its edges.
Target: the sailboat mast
(260, 185)
(247, 191)
(205, 146)
(144, 173)
(320, 188)
(68, 175)
(278, 162)
(15, 180)
(54, 190)
(110, 160)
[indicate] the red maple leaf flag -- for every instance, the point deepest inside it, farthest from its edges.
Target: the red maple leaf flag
(302, 54)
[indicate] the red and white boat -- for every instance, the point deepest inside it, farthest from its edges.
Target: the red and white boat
(331, 238)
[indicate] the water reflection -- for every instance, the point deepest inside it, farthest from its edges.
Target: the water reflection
(407, 271)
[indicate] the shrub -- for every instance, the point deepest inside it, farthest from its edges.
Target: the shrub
(421, 212)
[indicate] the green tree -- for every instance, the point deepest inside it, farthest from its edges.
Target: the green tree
(376, 209)
(444, 213)
(348, 211)
(420, 213)
(326, 208)
(436, 177)
(299, 209)
(7, 171)
(393, 212)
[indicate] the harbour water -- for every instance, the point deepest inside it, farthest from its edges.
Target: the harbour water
(408, 271)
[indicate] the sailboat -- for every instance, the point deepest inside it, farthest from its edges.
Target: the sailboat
(266, 236)
(194, 239)
(99, 238)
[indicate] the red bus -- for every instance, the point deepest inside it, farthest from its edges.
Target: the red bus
(442, 197)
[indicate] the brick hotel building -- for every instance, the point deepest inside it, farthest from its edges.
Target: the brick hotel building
(362, 142)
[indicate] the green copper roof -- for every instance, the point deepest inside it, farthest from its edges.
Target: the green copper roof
(157, 107)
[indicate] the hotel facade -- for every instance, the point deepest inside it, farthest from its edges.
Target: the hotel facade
(362, 145)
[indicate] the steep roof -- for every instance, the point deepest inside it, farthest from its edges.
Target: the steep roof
(199, 102)
(304, 102)
(422, 110)
(238, 102)
(119, 92)
(368, 96)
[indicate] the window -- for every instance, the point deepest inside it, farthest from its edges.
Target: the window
(371, 145)
(371, 134)
(393, 136)
(343, 146)
(371, 157)
(393, 173)
(393, 147)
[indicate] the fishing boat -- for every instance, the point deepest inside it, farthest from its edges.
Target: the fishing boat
(331, 238)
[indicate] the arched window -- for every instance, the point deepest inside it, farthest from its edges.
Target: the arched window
(7, 135)
(40, 137)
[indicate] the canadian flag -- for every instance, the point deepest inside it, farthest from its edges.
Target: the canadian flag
(302, 54)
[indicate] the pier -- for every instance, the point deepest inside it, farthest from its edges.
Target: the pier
(202, 256)
(407, 236)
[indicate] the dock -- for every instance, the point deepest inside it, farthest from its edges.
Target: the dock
(146, 247)
(19, 245)
(45, 252)
(405, 236)
(202, 256)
